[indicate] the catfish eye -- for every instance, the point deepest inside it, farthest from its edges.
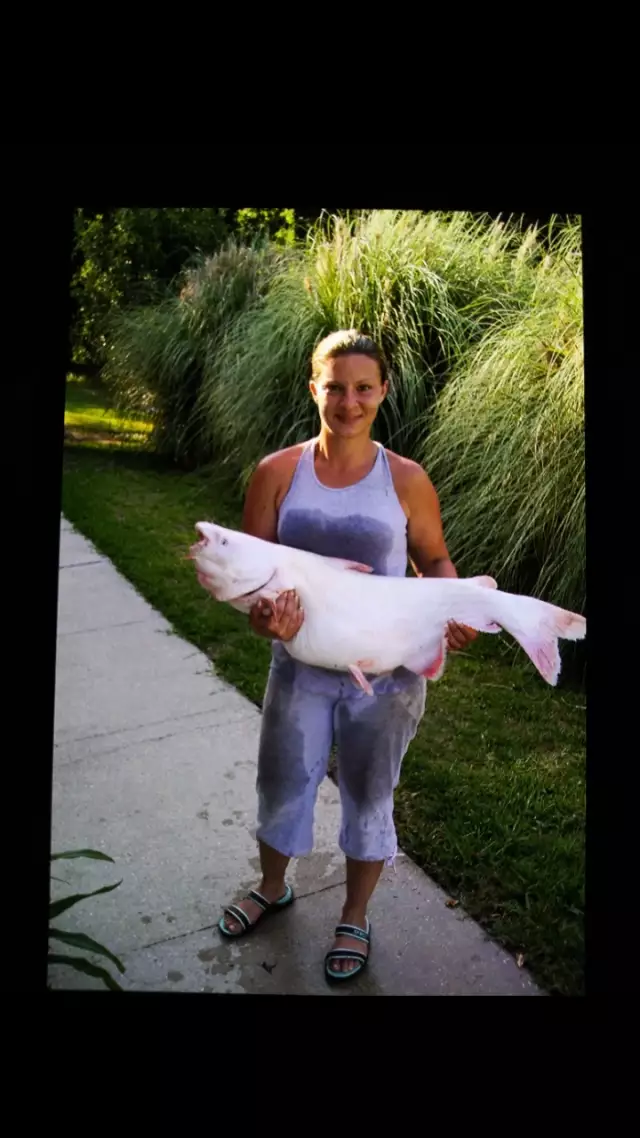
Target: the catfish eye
(224, 541)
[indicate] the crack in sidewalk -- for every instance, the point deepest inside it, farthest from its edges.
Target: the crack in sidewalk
(208, 928)
(81, 564)
(107, 627)
(158, 738)
(140, 726)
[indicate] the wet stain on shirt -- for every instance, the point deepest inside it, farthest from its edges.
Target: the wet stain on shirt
(356, 537)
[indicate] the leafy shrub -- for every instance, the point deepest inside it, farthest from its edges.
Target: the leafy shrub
(80, 940)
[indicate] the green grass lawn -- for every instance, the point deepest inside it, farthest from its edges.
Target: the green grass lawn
(491, 802)
(89, 419)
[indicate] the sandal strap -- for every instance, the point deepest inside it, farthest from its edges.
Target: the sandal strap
(262, 903)
(346, 954)
(239, 915)
(253, 895)
(353, 931)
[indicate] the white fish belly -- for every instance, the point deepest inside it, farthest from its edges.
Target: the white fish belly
(375, 622)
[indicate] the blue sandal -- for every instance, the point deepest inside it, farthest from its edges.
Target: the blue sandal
(348, 953)
(267, 907)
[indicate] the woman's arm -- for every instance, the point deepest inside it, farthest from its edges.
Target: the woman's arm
(260, 516)
(427, 547)
(260, 519)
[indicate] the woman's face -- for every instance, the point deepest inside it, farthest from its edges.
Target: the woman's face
(348, 393)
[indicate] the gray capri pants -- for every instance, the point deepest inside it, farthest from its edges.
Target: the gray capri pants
(305, 711)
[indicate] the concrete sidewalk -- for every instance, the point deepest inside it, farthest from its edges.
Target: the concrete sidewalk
(154, 763)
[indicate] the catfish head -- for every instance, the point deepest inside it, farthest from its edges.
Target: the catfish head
(230, 564)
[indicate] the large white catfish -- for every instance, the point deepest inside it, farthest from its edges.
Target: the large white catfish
(363, 624)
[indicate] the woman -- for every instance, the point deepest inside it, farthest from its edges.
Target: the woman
(339, 494)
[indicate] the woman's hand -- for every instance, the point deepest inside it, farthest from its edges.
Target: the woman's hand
(280, 619)
(459, 636)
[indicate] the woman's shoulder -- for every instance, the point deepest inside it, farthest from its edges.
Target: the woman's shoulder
(281, 463)
(282, 459)
(274, 473)
(405, 471)
(415, 490)
(267, 489)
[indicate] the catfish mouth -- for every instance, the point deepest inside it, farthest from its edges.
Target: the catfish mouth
(204, 541)
(198, 545)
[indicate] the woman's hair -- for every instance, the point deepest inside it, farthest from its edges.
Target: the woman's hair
(347, 343)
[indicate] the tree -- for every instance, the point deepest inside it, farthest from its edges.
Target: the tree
(125, 257)
(128, 256)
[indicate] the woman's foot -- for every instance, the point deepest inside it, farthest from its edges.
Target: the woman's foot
(270, 891)
(359, 919)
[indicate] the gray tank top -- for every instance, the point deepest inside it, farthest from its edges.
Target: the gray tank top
(364, 522)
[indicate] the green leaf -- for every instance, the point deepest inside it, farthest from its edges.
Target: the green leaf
(82, 965)
(79, 940)
(83, 853)
(57, 907)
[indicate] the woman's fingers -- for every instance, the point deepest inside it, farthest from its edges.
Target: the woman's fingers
(261, 617)
(454, 639)
(459, 636)
(281, 618)
(292, 616)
